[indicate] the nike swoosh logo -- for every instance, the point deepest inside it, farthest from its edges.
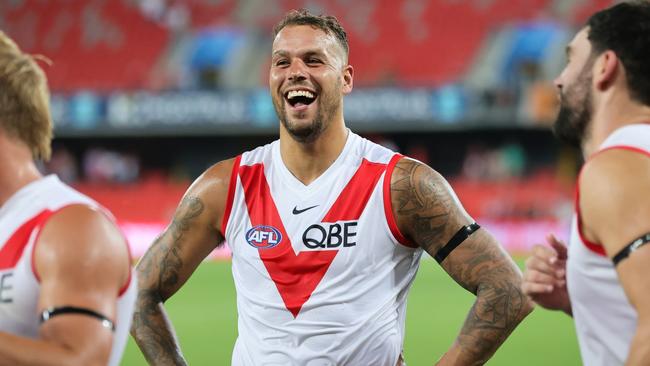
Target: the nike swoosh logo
(296, 211)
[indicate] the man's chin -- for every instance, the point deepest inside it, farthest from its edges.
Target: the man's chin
(304, 135)
(567, 131)
(303, 131)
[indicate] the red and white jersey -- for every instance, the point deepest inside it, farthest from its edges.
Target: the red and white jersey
(21, 219)
(605, 320)
(321, 271)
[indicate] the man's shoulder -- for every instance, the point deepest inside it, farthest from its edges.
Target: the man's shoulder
(212, 188)
(612, 183)
(613, 203)
(216, 180)
(615, 166)
(81, 232)
(220, 170)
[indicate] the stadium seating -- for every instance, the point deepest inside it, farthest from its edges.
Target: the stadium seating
(99, 45)
(148, 201)
(402, 43)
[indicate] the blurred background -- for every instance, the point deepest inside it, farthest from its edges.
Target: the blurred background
(146, 94)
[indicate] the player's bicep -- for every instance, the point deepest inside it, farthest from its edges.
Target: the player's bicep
(425, 207)
(615, 210)
(430, 214)
(179, 249)
(82, 261)
(193, 233)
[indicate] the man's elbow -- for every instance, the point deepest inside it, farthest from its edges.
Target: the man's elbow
(528, 307)
(145, 303)
(507, 291)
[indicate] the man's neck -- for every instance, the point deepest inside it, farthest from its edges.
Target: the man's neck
(15, 172)
(307, 161)
(609, 119)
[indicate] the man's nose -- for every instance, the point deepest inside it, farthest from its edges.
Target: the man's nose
(297, 71)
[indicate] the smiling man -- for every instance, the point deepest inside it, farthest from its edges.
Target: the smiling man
(326, 230)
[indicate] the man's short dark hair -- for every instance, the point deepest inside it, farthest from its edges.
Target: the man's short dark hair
(625, 29)
(327, 23)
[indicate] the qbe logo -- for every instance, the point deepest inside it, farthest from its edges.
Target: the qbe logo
(263, 237)
(330, 235)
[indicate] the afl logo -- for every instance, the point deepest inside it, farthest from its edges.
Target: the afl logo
(263, 237)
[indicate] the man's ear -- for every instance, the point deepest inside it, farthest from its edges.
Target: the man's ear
(348, 79)
(606, 70)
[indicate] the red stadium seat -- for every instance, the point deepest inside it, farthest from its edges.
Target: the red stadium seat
(112, 45)
(99, 45)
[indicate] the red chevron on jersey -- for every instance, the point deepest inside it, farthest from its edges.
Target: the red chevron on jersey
(14, 247)
(354, 197)
(297, 275)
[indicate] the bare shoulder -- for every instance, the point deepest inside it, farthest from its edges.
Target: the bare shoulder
(204, 201)
(209, 191)
(615, 166)
(82, 241)
(426, 208)
(214, 182)
(613, 194)
(83, 230)
(219, 173)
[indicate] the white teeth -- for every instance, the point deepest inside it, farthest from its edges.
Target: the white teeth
(300, 93)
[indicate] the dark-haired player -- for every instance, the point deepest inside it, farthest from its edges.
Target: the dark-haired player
(602, 279)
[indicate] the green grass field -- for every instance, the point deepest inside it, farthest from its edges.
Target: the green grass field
(204, 315)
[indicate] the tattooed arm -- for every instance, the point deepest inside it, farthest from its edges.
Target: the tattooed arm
(193, 233)
(429, 214)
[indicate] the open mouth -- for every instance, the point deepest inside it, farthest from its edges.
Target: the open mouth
(299, 98)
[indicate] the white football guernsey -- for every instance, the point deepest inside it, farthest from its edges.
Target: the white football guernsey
(605, 320)
(21, 219)
(321, 271)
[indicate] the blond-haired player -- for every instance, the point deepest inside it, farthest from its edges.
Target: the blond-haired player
(66, 290)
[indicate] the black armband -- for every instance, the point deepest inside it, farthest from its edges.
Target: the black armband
(455, 241)
(634, 245)
(47, 314)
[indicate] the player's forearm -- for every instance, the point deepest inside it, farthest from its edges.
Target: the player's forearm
(154, 333)
(499, 307)
(640, 348)
(20, 351)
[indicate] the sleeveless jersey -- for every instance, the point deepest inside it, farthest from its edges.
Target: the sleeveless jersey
(21, 219)
(321, 270)
(605, 320)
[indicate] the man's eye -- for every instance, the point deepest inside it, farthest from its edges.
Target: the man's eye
(281, 62)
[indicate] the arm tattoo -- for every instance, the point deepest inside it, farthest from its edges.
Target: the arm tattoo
(428, 212)
(423, 202)
(163, 263)
(190, 208)
(500, 305)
